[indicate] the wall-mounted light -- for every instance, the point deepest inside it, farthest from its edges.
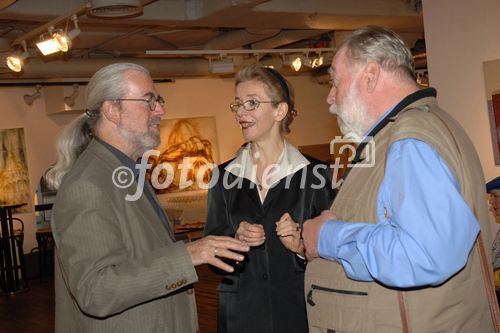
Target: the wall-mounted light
(64, 40)
(70, 100)
(15, 61)
(29, 99)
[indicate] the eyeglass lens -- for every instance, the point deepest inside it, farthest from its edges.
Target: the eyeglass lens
(153, 100)
(249, 105)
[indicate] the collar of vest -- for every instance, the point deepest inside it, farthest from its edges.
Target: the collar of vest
(412, 98)
(408, 100)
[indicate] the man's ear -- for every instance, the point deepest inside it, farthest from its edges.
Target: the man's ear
(371, 75)
(281, 111)
(111, 111)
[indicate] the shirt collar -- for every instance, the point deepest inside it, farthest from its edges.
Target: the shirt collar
(124, 159)
(386, 113)
(289, 162)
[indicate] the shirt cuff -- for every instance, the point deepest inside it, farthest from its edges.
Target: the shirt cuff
(329, 239)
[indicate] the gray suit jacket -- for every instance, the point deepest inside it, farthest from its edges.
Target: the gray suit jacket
(117, 268)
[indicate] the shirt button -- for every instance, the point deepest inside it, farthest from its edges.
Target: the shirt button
(265, 276)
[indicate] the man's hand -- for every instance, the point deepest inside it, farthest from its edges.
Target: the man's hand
(209, 249)
(311, 233)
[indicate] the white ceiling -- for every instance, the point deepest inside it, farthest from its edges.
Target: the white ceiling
(196, 25)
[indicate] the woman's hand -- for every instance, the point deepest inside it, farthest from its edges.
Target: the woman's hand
(251, 234)
(289, 233)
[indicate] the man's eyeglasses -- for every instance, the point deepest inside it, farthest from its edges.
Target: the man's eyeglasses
(248, 105)
(151, 100)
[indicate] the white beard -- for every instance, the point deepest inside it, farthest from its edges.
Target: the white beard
(352, 116)
(141, 142)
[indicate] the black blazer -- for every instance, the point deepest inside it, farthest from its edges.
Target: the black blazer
(266, 291)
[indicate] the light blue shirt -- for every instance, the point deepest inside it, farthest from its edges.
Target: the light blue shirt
(427, 235)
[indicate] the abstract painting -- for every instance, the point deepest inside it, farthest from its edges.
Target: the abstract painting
(492, 84)
(14, 176)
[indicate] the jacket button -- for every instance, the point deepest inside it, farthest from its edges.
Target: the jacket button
(265, 276)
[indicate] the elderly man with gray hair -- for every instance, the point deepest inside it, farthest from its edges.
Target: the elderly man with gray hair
(399, 249)
(118, 267)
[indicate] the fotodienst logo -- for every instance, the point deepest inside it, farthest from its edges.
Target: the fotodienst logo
(343, 149)
(197, 174)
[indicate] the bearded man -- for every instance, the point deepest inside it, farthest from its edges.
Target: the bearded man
(397, 252)
(119, 268)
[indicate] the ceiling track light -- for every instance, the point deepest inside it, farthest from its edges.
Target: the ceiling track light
(312, 62)
(293, 61)
(57, 40)
(47, 45)
(64, 40)
(70, 100)
(317, 62)
(29, 99)
(15, 61)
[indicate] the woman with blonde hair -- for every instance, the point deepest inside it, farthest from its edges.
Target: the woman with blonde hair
(262, 197)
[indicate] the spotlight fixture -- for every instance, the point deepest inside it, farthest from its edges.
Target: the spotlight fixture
(70, 100)
(312, 62)
(29, 99)
(62, 39)
(296, 64)
(15, 61)
(58, 40)
(47, 44)
(293, 61)
(317, 62)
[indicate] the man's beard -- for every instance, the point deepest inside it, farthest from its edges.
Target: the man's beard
(141, 142)
(352, 116)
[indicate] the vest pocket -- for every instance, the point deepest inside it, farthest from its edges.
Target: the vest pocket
(337, 310)
(311, 302)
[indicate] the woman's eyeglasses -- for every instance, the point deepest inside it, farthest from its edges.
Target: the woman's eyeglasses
(152, 101)
(248, 105)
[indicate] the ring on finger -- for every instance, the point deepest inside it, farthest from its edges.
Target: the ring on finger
(215, 252)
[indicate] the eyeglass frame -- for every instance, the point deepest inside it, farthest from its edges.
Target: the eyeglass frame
(157, 100)
(248, 100)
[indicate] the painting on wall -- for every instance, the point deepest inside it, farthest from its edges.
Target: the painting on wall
(14, 176)
(492, 84)
(180, 174)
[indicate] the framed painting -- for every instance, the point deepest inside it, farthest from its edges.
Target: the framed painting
(181, 172)
(14, 175)
(492, 84)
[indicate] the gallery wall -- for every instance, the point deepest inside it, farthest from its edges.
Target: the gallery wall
(184, 98)
(460, 36)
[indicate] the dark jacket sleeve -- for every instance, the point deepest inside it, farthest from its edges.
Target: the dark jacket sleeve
(217, 221)
(323, 191)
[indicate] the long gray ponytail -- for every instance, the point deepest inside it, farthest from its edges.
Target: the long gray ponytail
(106, 84)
